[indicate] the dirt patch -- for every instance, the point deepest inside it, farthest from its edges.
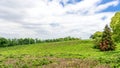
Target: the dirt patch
(74, 63)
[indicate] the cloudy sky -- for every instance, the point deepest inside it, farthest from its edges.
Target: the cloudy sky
(55, 18)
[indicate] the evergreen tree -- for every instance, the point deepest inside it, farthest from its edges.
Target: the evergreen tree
(107, 43)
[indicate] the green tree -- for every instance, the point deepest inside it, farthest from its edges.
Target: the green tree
(26, 41)
(97, 34)
(10, 42)
(3, 42)
(21, 41)
(107, 43)
(97, 38)
(38, 40)
(115, 25)
(32, 41)
(15, 41)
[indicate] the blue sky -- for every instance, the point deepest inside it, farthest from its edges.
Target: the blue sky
(47, 19)
(111, 8)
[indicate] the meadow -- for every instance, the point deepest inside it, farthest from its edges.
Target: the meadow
(64, 54)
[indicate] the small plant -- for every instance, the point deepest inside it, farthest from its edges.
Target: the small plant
(41, 62)
(25, 66)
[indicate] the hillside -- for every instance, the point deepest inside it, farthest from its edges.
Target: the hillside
(58, 54)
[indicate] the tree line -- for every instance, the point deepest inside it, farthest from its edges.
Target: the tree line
(4, 42)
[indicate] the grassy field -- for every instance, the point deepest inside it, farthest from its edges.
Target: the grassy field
(68, 54)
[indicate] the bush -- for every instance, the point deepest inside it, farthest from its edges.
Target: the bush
(97, 43)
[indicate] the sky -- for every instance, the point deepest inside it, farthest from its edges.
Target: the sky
(47, 19)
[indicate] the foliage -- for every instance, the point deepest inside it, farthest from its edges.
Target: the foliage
(107, 43)
(3, 42)
(115, 25)
(97, 42)
(61, 39)
(97, 38)
(97, 34)
(22, 41)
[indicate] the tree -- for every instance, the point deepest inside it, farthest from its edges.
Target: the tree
(97, 38)
(32, 41)
(26, 41)
(107, 43)
(97, 34)
(21, 41)
(10, 42)
(14, 41)
(3, 42)
(115, 25)
(38, 40)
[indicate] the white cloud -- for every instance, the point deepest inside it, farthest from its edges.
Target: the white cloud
(104, 6)
(49, 19)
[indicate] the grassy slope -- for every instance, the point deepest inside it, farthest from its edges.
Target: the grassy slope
(59, 49)
(68, 49)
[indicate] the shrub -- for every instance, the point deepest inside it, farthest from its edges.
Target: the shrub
(97, 38)
(97, 42)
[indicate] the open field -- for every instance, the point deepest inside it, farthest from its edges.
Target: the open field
(68, 54)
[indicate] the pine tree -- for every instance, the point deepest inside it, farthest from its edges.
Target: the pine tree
(107, 43)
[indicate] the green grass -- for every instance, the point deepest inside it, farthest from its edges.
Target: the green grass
(46, 53)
